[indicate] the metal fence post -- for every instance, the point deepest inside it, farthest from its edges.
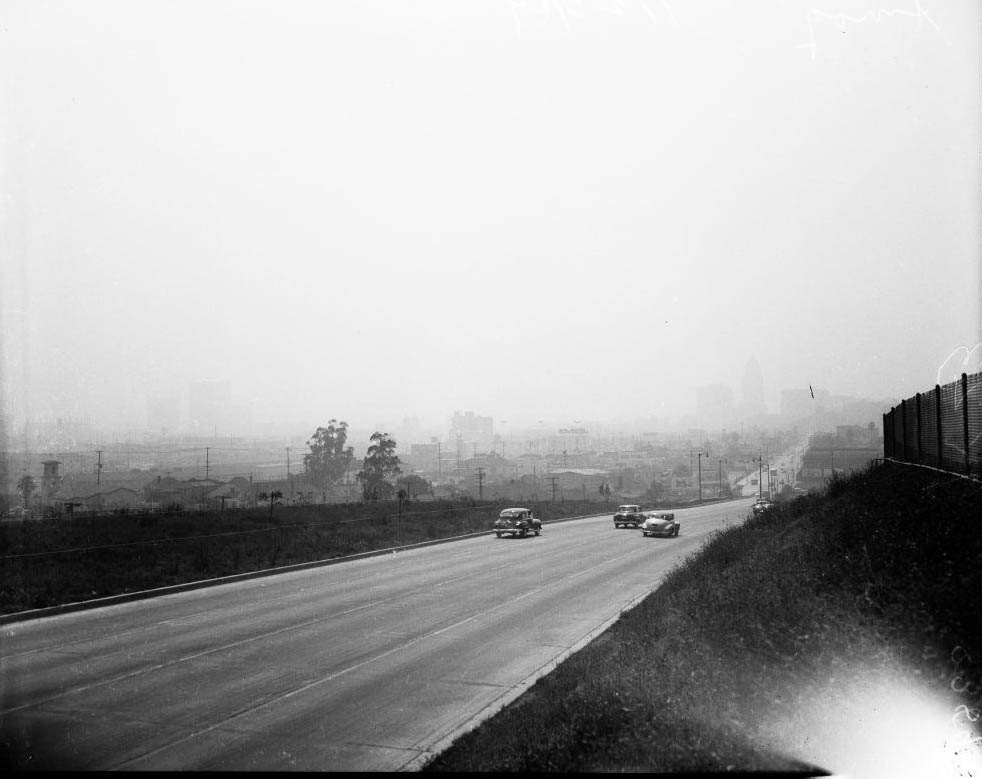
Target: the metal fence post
(903, 430)
(968, 465)
(937, 414)
(920, 444)
(887, 444)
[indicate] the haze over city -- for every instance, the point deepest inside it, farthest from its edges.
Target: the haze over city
(491, 385)
(538, 211)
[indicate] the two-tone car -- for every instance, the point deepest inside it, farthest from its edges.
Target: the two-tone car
(518, 522)
(660, 523)
(629, 514)
(761, 506)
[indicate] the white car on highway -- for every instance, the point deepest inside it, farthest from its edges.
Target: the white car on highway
(661, 523)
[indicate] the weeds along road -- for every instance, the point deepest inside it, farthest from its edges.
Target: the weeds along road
(368, 665)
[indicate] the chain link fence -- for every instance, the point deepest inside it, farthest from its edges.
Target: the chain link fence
(941, 427)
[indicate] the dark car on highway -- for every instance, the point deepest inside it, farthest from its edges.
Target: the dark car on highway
(517, 521)
(629, 514)
(761, 506)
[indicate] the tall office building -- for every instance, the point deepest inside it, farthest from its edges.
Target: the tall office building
(752, 403)
(472, 431)
(714, 406)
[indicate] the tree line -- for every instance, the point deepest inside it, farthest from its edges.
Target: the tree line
(327, 462)
(330, 458)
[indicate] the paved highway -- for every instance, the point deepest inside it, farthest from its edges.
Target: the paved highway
(367, 665)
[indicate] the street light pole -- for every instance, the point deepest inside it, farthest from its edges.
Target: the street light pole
(760, 476)
(289, 479)
(699, 456)
(699, 465)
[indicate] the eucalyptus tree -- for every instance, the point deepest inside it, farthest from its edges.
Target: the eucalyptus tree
(379, 467)
(328, 459)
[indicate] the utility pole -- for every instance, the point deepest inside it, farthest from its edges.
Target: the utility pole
(439, 462)
(207, 449)
(699, 465)
(480, 484)
(98, 468)
(699, 457)
(719, 492)
(553, 480)
(760, 477)
(289, 480)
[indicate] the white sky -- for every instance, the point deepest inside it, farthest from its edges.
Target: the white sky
(536, 210)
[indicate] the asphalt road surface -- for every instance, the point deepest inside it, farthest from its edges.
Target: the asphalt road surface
(369, 665)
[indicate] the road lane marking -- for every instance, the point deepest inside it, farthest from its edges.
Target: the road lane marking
(185, 658)
(369, 660)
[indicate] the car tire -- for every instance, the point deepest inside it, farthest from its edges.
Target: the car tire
(498, 535)
(522, 533)
(676, 533)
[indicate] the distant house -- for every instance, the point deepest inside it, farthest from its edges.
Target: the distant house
(104, 500)
(493, 465)
(168, 491)
(530, 465)
(83, 492)
(118, 498)
(240, 492)
(578, 482)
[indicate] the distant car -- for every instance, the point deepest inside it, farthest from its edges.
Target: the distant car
(660, 524)
(761, 506)
(629, 515)
(517, 521)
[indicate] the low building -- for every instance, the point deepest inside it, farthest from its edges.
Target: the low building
(577, 483)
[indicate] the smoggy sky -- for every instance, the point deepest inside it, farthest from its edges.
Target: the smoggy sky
(536, 210)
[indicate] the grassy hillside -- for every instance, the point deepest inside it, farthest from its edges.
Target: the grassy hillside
(842, 631)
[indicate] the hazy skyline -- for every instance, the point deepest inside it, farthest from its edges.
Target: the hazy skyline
(536, 210)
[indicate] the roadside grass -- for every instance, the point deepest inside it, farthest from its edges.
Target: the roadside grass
(841, 631)
(52, 562)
